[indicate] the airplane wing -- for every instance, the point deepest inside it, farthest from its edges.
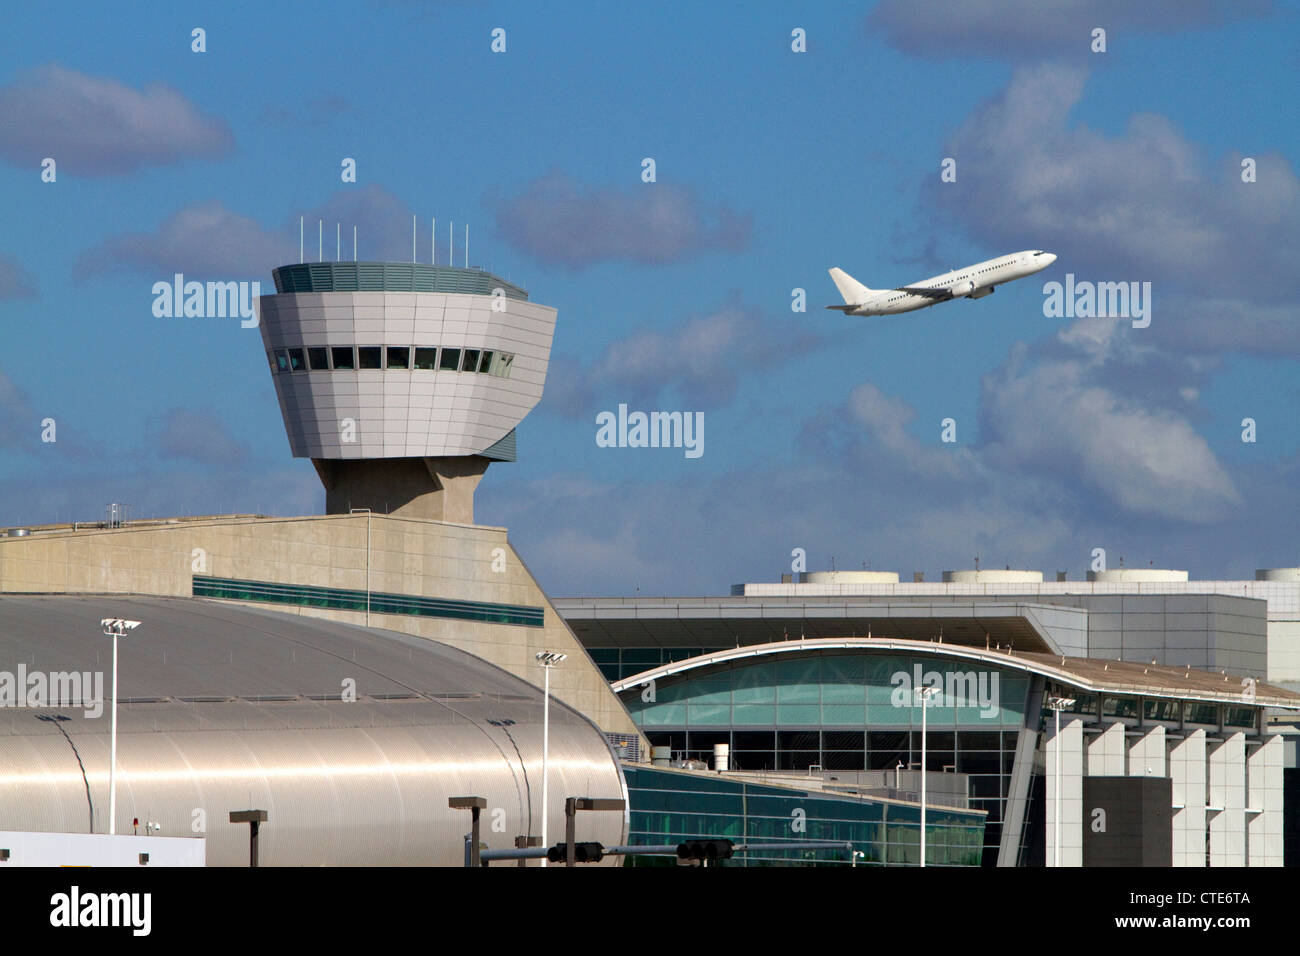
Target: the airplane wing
(937, 294)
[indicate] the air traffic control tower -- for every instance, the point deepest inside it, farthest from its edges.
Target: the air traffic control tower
(402, 382)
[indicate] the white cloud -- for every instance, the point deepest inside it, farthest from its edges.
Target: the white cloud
(558, 222)
(96, 126)
(702, 359)
(1032, 29)
(15, 281)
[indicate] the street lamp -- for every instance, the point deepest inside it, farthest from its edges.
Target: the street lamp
(547, 659)
(1058, 704)
(114, 627)
(924, 694)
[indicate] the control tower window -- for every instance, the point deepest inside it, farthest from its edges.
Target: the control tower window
(297, 361)
(281, 360)
(450, 359)
(471, 361)
(343, 357)
(399, 357)
(318, 359)
(369, 356)
(426, 359)
(486, 362)
(501, 364)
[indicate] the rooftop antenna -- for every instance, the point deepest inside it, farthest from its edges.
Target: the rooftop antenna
(354, 243)
(338, 242)
(433, 241)
(320, 240)
(451, 244)
(466, 245)
(300, 240)
(412, 238)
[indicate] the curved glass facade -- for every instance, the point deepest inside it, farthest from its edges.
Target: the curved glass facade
(833, 690)
(846, 710)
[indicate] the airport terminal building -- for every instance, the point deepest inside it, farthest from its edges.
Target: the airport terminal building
(815, 678)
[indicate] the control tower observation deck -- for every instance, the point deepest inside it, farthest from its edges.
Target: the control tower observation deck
(402, 382)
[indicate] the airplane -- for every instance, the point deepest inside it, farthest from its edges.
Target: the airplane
(973, 282)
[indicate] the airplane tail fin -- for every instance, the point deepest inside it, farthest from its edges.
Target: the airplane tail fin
(853, 291)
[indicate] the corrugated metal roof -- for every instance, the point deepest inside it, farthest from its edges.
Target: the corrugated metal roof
(189, 647)
(231, 708)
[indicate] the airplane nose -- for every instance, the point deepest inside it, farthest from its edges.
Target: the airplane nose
(1051, 257)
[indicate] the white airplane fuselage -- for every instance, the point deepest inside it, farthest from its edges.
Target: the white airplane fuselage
(973, 282)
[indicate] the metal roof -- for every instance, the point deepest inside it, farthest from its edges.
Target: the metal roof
(227, 707)
(190, 647)
(727, 621)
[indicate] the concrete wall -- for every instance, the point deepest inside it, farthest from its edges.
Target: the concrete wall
(1227, 794)
(1227, 801)
(407, 556)
(1284, 653)
(1146, 754)
(1264, 793)
(1072, 771)
(1234, 635)
(1187, 768)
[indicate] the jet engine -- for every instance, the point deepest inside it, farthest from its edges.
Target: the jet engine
(963, 289)
(987, 290)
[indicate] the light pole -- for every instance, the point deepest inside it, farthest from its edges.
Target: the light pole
(547, 659)
(924, 694)
(114, 627)
(1058, 704)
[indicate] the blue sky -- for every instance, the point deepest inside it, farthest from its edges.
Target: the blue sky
(822, 431)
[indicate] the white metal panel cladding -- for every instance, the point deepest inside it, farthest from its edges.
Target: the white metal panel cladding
(235, 708)
(340, 796)
(411, 412)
